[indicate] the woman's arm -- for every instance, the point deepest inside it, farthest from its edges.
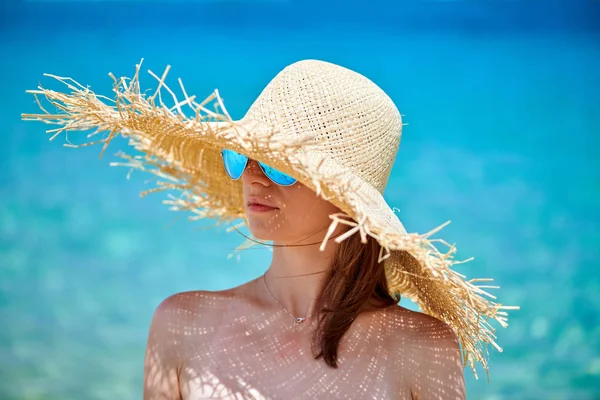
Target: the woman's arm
(161, 365)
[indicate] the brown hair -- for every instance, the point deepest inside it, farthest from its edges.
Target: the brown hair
(356, 277)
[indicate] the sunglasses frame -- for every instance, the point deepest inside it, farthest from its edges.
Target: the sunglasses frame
(263, 168)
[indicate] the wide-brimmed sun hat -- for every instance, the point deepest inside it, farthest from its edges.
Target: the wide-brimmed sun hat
(329, 127)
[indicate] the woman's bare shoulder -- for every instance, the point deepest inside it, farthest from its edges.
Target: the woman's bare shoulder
(431, 349)
(194, 307)
(417, 326)
(194, 300)
(201, 304)
(180, 324)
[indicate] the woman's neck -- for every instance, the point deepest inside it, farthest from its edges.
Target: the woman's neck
(297, 275)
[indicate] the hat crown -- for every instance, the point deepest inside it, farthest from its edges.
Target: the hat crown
(344, 114)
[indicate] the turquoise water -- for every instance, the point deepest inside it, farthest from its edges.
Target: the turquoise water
(503, 138)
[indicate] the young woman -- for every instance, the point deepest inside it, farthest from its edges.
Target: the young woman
(305, 169)
(245, 342)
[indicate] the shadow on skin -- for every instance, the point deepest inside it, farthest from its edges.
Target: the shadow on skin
(230, 345)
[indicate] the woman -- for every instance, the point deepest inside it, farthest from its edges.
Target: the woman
(305, 169)
(245, 341)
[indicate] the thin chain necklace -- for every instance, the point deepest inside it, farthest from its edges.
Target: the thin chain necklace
(297, 320)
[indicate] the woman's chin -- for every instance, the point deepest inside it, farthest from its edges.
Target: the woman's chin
(268, 234)
(263, 233)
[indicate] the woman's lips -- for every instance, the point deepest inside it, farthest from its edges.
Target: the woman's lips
(260, 208)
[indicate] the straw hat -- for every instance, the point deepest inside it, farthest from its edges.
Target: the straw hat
(329, 127)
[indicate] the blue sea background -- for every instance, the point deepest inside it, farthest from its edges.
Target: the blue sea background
(502, 102)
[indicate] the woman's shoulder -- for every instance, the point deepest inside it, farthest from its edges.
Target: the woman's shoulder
(415, 332)
(431, 352)
(195, 302)
(414, 325)
(193, 298)
(201, 304)
(190, 314)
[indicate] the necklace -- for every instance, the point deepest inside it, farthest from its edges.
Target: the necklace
(297, 320)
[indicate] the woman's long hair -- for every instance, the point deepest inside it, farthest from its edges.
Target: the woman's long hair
(355, 278)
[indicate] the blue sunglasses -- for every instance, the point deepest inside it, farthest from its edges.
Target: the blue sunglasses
(235, 164)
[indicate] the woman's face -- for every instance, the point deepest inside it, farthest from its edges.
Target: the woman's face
(284, 214)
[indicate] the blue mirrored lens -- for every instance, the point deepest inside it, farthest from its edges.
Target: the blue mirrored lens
(277, 176)
(235, 163)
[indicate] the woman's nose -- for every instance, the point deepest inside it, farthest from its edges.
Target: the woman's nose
(254, 174)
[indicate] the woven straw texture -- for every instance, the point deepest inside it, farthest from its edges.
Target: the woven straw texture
(329, 127)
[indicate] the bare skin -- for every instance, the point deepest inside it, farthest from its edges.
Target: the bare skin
(241, 344)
